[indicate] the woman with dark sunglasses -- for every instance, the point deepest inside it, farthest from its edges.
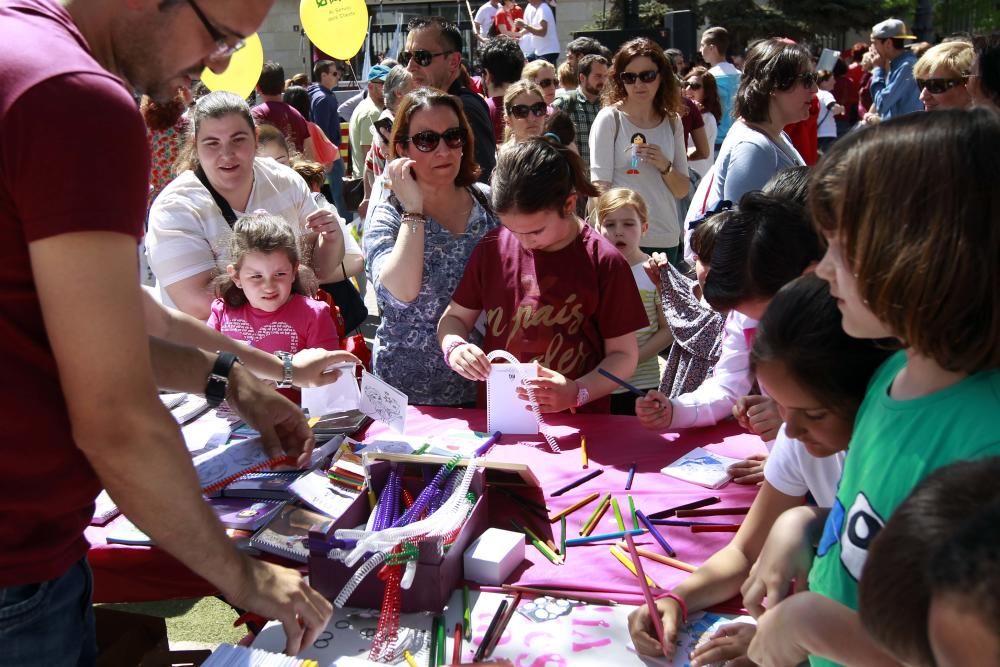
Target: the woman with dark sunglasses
(637, 140)
(417, 242)
(542, 73)
(941, 75)
(777, 89)
(525, 110)
(700, 87)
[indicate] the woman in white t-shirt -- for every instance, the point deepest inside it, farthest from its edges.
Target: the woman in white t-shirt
(188, 232)
(700, 87)
(818, 375)
(637, 140)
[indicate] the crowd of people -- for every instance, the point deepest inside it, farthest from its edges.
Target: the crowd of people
(814, 254)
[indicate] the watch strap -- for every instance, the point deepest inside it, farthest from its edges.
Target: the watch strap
(286, 369)
(218, 378)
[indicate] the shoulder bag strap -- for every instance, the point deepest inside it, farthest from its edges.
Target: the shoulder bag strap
(220, 201)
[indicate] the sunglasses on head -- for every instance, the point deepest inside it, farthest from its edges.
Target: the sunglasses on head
(692, 85)
(939, 86)
(545, 83)
(538, 109)
(647, 76)
(428, 140)
(422, 57)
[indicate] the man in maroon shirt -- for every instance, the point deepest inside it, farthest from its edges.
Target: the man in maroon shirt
(80, 371)
(275, 112)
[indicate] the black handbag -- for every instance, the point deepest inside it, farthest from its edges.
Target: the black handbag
(352, 306)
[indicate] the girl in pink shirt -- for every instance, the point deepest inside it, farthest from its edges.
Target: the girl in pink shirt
(262, 300)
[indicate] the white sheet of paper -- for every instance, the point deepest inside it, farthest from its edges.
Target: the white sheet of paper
(505, 412)
(338, 396)
(316, 491)
(383, 402)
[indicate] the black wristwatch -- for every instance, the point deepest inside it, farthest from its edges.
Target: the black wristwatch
(218, 379)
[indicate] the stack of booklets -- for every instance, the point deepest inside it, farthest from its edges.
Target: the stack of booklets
(104, 509)
(287, 533)
(348, 422)
(228, 655)
(272, 485)
(238, 514)
(348, 471)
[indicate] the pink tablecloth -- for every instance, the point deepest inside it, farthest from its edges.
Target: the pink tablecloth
(129, 574)
(613, 443)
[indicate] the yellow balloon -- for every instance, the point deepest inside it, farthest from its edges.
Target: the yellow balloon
(243, 71)
(336, 27)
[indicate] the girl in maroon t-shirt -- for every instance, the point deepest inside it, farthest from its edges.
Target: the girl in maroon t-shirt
(553, 290)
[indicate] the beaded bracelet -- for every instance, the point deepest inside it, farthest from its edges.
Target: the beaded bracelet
(413, 219)
(451, 348)
(680, 603)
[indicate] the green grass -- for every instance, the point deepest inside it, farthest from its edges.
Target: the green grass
(200, 620)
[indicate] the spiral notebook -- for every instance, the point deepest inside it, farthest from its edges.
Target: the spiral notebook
(287, 533)
(702, 467)
(505, 412)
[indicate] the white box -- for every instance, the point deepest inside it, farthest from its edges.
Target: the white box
(491, 558)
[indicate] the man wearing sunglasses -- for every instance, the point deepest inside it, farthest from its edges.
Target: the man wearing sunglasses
(433, 55)
(80, 370)
(894, 90)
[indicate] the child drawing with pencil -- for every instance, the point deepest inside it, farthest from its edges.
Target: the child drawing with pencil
(622, 220)
(817, 374)
(912, 256)
(552, 289)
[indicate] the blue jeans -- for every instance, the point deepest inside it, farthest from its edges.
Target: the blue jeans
(335, 178)
(50, 623)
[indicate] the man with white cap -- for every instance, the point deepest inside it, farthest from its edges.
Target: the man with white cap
(894, 90)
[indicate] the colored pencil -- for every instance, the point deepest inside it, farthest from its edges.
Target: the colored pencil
(682, 522)
(589, 528)
(409, 659)
(631, 509)
(492, 440)
(583, 451)
(423, 448)
(717, 511)
(466, 614)
(521, 499)
(442, 645)
(580, 596)
(597, 510)
(572, 485)
(488, 637)
(618, 514)
(587, 539)
(456, 649)
(656, 534)
(666, 560)
(432, 659)
(539, 544)
(631, 476)
(562, 533)
(621, 383)
(650, 602)
(527, 505)
(716, 528)
(624, 560)
(562, 514)
(498, 635)
(663, 514)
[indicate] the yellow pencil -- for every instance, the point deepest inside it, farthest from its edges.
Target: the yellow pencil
(572, 508)
(409, 659)
(618, 514)
(588, 528)
(627, 562)
(583, 451)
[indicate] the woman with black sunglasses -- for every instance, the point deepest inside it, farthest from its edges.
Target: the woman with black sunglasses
(418, 241)
(701, 88)
(524, 110)
(777, 88)
(942, 73)
(637, 140)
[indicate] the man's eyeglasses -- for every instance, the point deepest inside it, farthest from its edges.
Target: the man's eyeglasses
(223, 49)
(422, 57)
(538, 109)
(692, 85)
(940, 86)
(647, 76)
(545, 83)
(428, 140)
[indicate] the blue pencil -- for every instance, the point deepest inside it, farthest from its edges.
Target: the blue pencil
(492, 440)
(572, 485)
(656, 534)
(606, 536)
(622, 383)
(631, 475)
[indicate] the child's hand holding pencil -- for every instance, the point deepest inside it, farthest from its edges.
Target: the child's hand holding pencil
(654, 410)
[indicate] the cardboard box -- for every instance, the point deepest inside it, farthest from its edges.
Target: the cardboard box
(438, 572)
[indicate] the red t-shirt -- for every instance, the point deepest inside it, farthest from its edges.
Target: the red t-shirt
(804, 136)
(51, 183)
(553, 307)
(507, 20)
(692, 120)
(284, 117)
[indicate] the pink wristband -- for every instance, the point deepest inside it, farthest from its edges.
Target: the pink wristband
(451, 348)
(680, 603)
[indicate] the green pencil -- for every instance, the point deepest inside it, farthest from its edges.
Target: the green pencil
(442, 645)
(537, 542)
(562, 542)
(618, 514)
(432, 657)
(597, 510)
(466, 614)
(631, 507)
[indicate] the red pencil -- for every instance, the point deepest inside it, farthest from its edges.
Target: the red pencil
(716, 528)
(715, 511)
(456, 652)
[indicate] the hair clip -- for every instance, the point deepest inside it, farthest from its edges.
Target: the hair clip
(724, 205)
(554, 137)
